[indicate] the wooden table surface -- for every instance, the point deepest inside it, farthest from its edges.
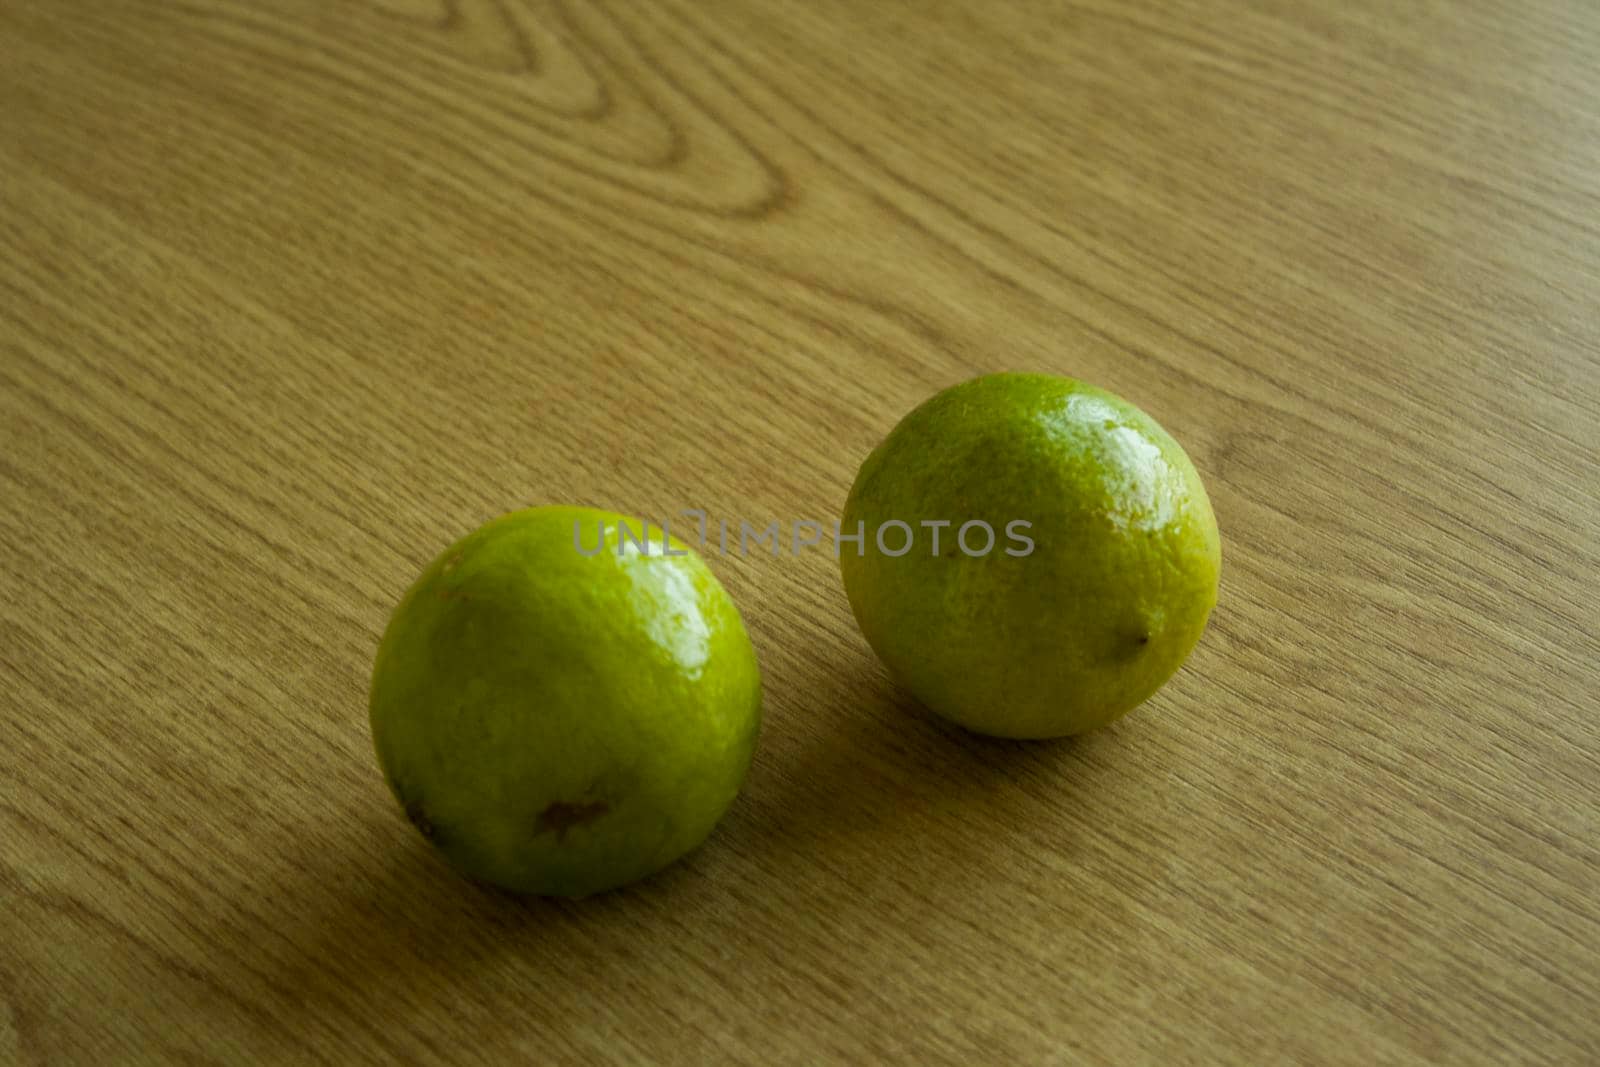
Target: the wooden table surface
(292, 293)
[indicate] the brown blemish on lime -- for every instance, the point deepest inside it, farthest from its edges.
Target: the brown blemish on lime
(562, 816)
(420, 820)
(449, 592)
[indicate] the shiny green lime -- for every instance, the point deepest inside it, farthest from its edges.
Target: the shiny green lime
(1065, 623)
(562, 713)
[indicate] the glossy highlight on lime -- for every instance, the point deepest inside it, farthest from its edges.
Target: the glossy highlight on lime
(559, 724)
(1113, 598)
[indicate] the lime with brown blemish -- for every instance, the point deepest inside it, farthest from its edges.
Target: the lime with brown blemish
(564, 704)
(1088, 571)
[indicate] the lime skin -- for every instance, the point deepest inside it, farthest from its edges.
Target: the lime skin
(563, 722)
(1059, 638)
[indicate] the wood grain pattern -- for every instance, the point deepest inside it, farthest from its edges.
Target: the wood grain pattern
(292, 293)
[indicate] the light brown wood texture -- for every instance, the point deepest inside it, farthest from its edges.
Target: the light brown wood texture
(293, 293)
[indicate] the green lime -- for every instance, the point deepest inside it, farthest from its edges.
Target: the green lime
(562, 712)
(1039, 556)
